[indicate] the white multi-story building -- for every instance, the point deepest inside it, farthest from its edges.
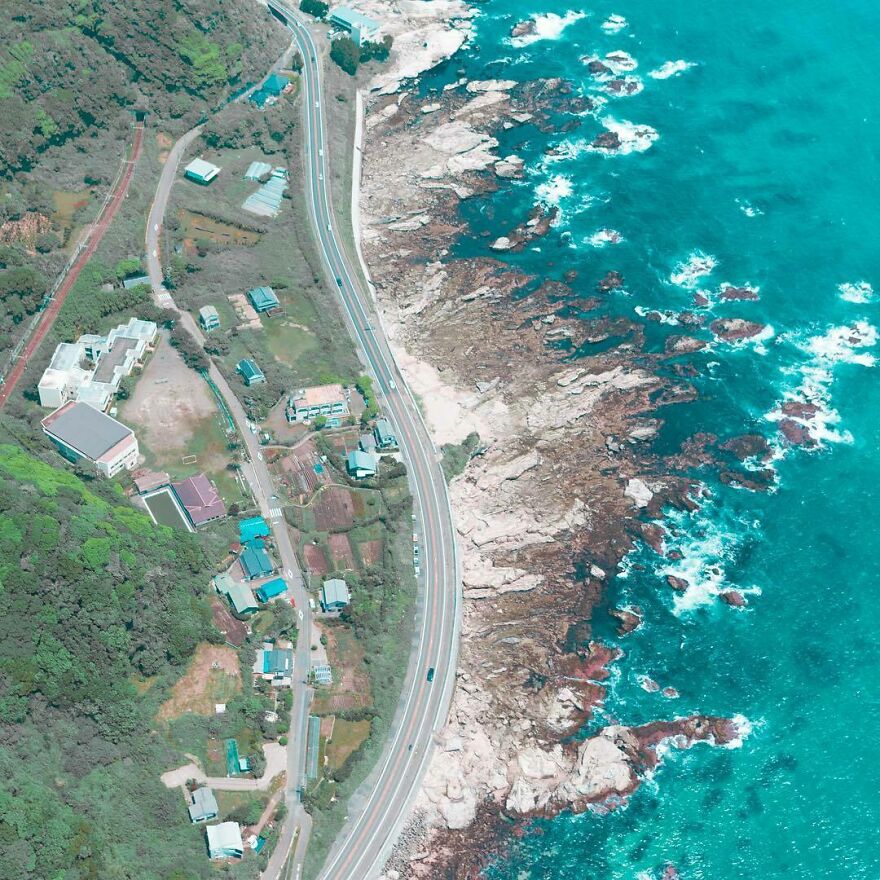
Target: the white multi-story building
(91, 369)
(306, 404)
(82, 432)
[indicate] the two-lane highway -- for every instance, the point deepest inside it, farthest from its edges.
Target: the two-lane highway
(376, 818)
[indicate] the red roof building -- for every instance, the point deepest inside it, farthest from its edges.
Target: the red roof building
(200, 499)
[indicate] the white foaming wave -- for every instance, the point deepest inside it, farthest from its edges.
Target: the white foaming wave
(707, 541)
(603, 237)
(662, 317)
(552, 191)
(671, 68)
(856, 292)
(842, 344)
(697, 265)
(749, 209)
(614, 24)
(744, 729)
(547, 26)
(616, 62)
(634, 138)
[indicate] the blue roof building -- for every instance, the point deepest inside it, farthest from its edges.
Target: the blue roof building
(384, 434)
(271, 589)
(255, 561)
(263, 299)
(253, 527)
(275, 84)
(250, 372)
(360, 464)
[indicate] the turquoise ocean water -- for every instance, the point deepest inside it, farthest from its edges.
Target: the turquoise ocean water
(765, 161)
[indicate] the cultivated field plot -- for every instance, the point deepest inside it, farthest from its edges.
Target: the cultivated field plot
(166, 511)
(316, 560)
(334, 508)
(341, 554)
(213, 677)
(300, 472)
(234, 630)
(370, 552)
(351, 685)
(197, 226)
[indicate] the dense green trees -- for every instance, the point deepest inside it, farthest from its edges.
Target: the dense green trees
(348, 55)
(72, 66)
(95, 597)
(315, 7)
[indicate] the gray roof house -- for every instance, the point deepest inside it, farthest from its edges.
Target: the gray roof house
(335, 595)
(203, 806)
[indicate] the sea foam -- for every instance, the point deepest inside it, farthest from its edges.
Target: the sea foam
(634, 138)
(547, 26)
(697, 265)
(856, 292)
(671, 68)
(614, 24)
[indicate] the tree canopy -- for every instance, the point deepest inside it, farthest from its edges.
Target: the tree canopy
(95, 598)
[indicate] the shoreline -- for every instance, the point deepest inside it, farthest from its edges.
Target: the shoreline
(528, 515)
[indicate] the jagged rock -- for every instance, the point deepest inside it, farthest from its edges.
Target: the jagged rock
(502, 243)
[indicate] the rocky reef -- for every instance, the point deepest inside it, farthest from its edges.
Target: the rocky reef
(563, 483)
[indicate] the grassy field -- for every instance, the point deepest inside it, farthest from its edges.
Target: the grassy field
(235, 251)
(213, 677)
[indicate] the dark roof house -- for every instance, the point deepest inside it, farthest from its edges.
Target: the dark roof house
(200, 499)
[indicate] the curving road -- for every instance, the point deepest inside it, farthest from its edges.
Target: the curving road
(376, 817)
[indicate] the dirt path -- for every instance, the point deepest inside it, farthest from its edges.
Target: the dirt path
(50, 313)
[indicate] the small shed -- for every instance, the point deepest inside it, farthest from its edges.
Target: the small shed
(263, 299)
(209, 318)
(250, 372)
(224, 841)
(201, 171)
(271, 589)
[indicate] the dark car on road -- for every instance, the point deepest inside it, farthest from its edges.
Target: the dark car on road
(431, 674)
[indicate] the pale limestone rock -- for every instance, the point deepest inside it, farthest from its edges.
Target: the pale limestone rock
(490, 85)
(639, 492)
(502, 243)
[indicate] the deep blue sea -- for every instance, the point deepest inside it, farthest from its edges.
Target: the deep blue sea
(758, 166)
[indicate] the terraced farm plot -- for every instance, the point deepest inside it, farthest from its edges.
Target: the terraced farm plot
(351, 687)
(370, 552)
(196, 226)
(341, 553)
(315, 559)
(334, 509)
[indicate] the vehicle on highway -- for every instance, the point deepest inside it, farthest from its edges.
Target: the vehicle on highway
(431, 674)
(392, 384)
(339, 281)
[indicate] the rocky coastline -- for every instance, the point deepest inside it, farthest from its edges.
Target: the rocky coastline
(564, 482)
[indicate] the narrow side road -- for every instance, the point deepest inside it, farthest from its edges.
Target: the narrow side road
(96, 234)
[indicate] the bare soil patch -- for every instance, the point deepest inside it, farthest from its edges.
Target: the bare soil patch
(213, 677)
(170, 402)
(334, 509)
(315, 559)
